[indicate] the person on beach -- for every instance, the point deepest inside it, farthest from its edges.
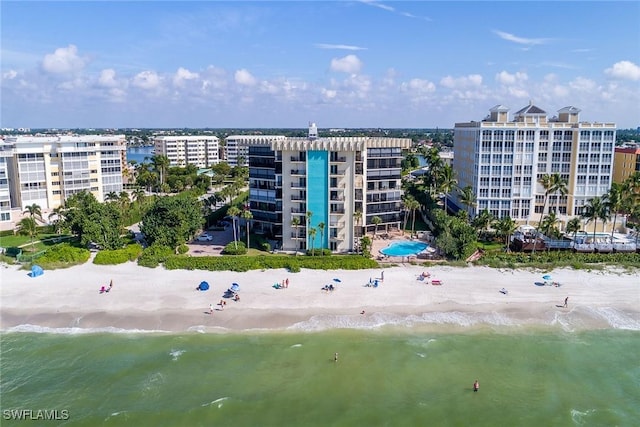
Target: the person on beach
(566, 302)
(476, 386)
(210, 308)
(286, 283)
(382, 276)
(335, 357)
(110, 285)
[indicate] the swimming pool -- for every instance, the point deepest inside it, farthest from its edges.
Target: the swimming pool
(404, 248)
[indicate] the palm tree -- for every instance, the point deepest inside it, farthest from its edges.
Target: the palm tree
(573, 226)
(376, 220)
(614, 201)
(34, 211)
(28, 227)
(312, 236)
(295, 223)
(357, 216)
(505, 227)
(551, 184)
(160, 164)
(139, 195)
(405, 201)
(321, 230)
(448, 182)
(234, 212)
(112, 196)
(468, 198)
(549, 222)
(593, 211)
(247, 216)
(481, 223)
(413, 205)
(58, 222)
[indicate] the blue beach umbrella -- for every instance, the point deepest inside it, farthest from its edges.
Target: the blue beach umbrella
(547, 277)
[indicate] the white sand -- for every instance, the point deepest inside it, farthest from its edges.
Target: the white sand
(159, 299)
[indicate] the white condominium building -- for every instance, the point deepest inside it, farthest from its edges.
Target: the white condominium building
(237, 147)
(502, 160)
(183, 150)
(45, 170)
(346, 183)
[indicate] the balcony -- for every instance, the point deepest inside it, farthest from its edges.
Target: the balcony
(298, 185)
(339, 160)
(297, 159)
(298, 198)
(298, 172)
(337, 211)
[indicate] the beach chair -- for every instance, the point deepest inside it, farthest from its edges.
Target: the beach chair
(436, 282)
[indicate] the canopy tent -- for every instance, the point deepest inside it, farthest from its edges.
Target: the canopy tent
(203, 286)
(36, 271)
(235, 288)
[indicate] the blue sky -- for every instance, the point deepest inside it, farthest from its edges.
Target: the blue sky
(338, 63)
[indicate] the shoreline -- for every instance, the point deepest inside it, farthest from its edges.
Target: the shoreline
(159, 300)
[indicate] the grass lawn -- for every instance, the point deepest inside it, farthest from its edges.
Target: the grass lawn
(19, 240)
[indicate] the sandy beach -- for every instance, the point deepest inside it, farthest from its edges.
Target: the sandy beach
(162, 300)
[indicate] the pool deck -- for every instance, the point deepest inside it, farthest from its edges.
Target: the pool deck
(382, 240)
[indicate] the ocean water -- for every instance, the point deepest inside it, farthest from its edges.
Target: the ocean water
(390, 376)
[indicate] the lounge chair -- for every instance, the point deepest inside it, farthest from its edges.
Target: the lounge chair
(436, 282)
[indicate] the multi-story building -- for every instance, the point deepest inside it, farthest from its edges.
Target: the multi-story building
(626, 161)
(344, 182)
(237, 147)
(502, 160)
(183, 150)
(45, 170)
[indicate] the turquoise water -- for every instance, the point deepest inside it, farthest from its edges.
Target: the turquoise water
(387, 377)
(404, 248)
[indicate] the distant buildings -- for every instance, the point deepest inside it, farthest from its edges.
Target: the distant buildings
(345, 182)
(626, 161)
(183, 150)
(502, 160)
(45, 170)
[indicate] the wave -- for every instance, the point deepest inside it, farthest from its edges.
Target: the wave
(29, 328)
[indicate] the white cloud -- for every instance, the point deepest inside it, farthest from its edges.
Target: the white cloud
(63, 60)
(419, 85)
(147, 80)
(582, 84)
(461, 82)
(506, 78)
(379, 5)
(108, 78)
(520, 40)
(624, 70)
(349, 64)
(329, 93)
(244, 77)
(183, 75)
(10, 75)
(338, 46)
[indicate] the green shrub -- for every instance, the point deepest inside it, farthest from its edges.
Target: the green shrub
(118, 256)
(266, 246)
(183, 249)
(266, 262)
(154, 255)
(235, 248)
(557, 259)
(62, 256)
(318, 252)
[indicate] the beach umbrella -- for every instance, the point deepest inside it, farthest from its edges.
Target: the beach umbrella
(234, 287)
(547, 277)
(203, 286)
(337, 280)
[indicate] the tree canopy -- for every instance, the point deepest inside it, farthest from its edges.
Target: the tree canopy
(172, 220)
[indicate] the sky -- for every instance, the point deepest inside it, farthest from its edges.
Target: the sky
(340, 64)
